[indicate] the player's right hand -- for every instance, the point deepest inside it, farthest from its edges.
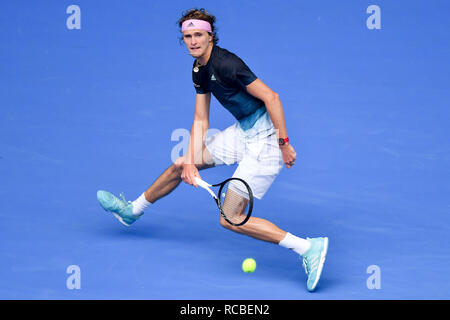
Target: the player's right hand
(189, 173)
(289, 155)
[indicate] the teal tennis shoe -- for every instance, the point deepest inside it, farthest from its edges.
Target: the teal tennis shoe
(314, 259)
(120, 208)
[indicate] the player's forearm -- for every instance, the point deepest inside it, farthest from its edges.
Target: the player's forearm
(276, 113)
(198, 132)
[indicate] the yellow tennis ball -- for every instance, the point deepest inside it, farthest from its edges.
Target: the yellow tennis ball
(249, 265)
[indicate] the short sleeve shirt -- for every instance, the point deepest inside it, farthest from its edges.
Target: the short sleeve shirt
(226, 77)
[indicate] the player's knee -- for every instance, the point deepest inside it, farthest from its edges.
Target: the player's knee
(225, 224)
(177, 167)
(178, 164)
(228, 226)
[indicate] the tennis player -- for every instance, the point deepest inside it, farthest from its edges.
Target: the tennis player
(257, 142)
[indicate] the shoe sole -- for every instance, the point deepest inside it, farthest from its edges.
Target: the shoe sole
(120, 219)
(321, 263)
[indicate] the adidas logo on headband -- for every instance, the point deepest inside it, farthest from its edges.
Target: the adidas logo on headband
(196, 24)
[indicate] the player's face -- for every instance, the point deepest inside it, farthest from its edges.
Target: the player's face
(197, 42)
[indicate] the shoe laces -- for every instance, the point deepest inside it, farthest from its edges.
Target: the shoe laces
(310, 264)
(122, 197)
(305, 265)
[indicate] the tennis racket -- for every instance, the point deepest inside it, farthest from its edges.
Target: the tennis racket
(234, 199)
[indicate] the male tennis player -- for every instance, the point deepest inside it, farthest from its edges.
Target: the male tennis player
(257, 142)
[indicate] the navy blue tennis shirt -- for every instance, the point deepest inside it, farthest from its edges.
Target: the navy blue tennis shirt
(226, 76)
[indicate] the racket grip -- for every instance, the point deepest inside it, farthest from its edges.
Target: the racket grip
(202, 183)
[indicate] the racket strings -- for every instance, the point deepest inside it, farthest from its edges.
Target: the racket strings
(234, 199)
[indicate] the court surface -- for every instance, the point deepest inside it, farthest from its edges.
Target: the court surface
(95, 108)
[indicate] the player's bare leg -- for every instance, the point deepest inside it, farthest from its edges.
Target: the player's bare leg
(257, 228)
(313, 251)
(171, 178)
(128, 212)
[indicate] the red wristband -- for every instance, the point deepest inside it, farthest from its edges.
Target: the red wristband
(283, 141)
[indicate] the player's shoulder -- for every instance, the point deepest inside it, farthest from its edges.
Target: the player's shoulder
(223, 53)
(224, 58)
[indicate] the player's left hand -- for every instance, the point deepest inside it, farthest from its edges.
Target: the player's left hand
(289, 155)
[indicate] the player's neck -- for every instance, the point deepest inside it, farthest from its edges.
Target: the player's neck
(205, 58)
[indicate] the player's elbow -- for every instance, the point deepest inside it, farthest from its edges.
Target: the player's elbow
(272, 98)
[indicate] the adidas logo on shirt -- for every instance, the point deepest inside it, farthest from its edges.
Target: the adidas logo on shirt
(213, 78)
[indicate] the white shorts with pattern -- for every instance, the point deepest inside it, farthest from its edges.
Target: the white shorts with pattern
(260, 160)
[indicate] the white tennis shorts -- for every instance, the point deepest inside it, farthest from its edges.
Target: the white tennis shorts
(260, 159)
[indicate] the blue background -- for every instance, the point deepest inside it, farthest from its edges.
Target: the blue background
(367, 112)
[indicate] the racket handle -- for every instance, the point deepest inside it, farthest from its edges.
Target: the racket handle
(202, 183)
(205, 186)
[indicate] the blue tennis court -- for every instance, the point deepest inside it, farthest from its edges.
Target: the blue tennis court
(97, 107)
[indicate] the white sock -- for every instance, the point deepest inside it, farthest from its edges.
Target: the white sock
(294, 243)
(140, 204)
